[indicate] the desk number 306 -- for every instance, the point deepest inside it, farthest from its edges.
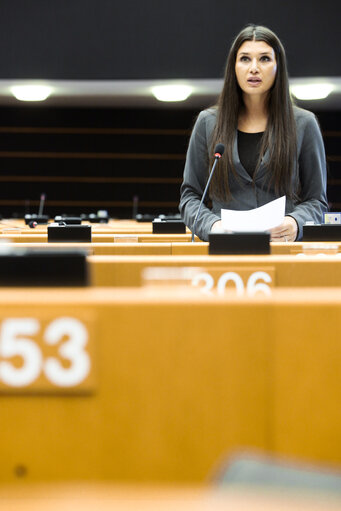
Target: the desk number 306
(253, 286)
(70, 337)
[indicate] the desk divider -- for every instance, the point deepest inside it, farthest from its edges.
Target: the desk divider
(180, 381)
(285, 271)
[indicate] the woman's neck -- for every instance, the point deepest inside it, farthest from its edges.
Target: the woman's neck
(254, 116)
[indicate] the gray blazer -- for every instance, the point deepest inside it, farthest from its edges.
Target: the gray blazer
(309, 177)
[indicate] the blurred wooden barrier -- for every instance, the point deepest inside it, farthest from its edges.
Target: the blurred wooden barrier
(167, 397)
(175, 381)
(308, 271)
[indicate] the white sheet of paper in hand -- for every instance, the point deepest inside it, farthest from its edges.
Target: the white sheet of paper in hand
(254, 220)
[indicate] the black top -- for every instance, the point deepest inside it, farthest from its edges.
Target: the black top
(248, 149)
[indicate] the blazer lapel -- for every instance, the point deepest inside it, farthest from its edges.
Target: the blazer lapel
(263, 168)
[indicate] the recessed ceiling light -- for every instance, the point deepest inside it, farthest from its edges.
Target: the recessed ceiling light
(31, 92)
(172, 92)
(312, 91)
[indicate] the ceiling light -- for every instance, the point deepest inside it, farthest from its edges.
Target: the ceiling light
(172, 92)
(312, 91)
(31, 92)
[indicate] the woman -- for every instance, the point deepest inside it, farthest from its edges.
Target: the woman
(272, 148)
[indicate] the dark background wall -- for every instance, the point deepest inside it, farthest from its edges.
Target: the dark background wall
(88, 158)
(143, 39)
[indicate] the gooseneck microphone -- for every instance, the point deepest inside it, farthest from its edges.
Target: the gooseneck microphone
(218, 152)
(41, 204)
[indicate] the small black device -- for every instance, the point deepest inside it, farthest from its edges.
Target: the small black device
(39, 219)
(34, 267)
(168, 227)
(69, 233)
(221, 243)
(322, 232)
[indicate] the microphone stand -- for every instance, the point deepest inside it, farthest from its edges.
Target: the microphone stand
(217, 157)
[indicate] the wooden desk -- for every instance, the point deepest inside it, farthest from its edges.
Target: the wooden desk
(139, 232)
(132, 232)
(101, 238)
(113, 226)
(285, 271)
(177, 382)
(124, 226)
(124, 246)
(103, 248)
(18, 232)
(277, 248)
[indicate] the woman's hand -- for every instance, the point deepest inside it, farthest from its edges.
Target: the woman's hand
(287, 231)
(217, 227)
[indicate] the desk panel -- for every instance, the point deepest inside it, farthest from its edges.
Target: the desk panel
(102, 248)
(307, 390)
(183, 381)
(119, 226)
(289, 271)
(181, 243)
(33, 237)
(277, 248)
(173, 394)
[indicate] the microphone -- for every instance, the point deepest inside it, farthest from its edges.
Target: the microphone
(135, 206)
(39, 218)
(218, 152)
(41, 204)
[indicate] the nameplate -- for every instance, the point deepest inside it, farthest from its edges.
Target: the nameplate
(68, 220)
(126, 238)
(318, 248)
(94, 218)
(47, 354)
(69, 233)
(323, 232)
(239, 243)
(144, 218)
(168, 227)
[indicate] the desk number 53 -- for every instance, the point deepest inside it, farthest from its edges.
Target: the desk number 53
(17, 340)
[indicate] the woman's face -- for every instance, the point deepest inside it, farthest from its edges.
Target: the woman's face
(255, 67)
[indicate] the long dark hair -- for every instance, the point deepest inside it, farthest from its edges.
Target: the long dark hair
(280, 134)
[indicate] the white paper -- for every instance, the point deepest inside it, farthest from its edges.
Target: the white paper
(254, 220)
